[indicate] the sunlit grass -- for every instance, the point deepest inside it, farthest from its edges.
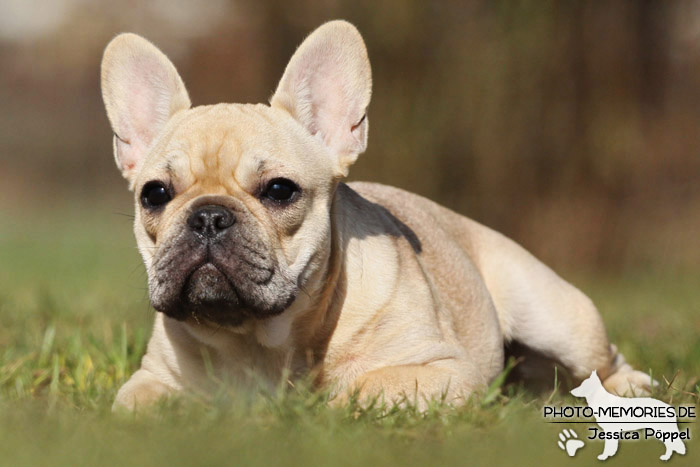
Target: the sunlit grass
(75, 322)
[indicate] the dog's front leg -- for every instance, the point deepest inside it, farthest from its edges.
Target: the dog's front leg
(407, 384)
(161, 366)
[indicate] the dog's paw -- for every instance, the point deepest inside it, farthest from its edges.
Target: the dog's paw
(569, 442)
(623, 380)
(141, 391)
(631, 383)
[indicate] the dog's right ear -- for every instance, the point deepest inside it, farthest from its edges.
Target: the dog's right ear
(141, 91)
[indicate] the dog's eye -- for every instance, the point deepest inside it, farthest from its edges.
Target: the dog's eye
(281, 190)
(154, 195)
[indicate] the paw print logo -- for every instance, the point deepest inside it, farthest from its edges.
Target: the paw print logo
(569, 442)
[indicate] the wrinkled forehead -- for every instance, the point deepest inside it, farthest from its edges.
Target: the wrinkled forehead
(240, 144)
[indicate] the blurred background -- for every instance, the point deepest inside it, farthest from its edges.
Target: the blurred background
(572, 127)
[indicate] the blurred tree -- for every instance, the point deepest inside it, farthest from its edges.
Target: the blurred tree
(569, 125)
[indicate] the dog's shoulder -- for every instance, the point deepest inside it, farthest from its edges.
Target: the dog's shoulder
(403, 204)
(418, 219)
(411, 207)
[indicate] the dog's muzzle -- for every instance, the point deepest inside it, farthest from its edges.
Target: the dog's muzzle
(219, 268)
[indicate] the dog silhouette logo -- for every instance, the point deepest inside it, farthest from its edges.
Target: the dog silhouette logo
(623, 417)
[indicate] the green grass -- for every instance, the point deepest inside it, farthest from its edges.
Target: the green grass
(75, 320)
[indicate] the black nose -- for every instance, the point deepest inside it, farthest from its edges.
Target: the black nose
(210, 221)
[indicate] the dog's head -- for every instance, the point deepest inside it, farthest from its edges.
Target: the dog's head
(588, 386)
(233, 201)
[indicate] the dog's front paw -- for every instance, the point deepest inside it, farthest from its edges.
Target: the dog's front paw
(142, 390)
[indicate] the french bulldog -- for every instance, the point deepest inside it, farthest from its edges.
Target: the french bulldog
(263, 264)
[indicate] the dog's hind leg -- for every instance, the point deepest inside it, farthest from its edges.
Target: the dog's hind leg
(541, 311)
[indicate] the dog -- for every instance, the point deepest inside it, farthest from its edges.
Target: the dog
(263, 263)
(655, 421)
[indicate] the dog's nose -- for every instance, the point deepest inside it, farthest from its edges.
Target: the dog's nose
(210, 221)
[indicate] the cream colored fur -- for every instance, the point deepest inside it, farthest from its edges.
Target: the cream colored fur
(402, 297)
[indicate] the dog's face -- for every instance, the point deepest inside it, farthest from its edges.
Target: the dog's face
(232, 213)
(233, 201)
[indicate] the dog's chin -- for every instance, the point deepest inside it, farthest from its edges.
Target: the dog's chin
(209, 297)
(207, 286)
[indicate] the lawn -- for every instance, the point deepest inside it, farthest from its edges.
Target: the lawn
(75, 320)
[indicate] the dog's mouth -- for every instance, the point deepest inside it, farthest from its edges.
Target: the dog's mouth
(209, 294)
(226, 282)
(206, 284)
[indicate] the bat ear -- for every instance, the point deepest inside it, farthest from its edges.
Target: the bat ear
(327, 87)
(141, 90)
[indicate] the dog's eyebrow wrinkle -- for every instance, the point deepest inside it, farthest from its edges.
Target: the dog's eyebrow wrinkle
(189, 164)
(237, 162)
(218, 151)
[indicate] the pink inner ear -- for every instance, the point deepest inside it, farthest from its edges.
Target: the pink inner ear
(141, 115)
(151, 92)
(147, 110)
(334, 108)
(127, 155)
(327, 87)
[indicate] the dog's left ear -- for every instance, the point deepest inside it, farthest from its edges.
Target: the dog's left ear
(327, 87)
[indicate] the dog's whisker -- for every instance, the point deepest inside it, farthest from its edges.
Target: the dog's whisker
(122, 214)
